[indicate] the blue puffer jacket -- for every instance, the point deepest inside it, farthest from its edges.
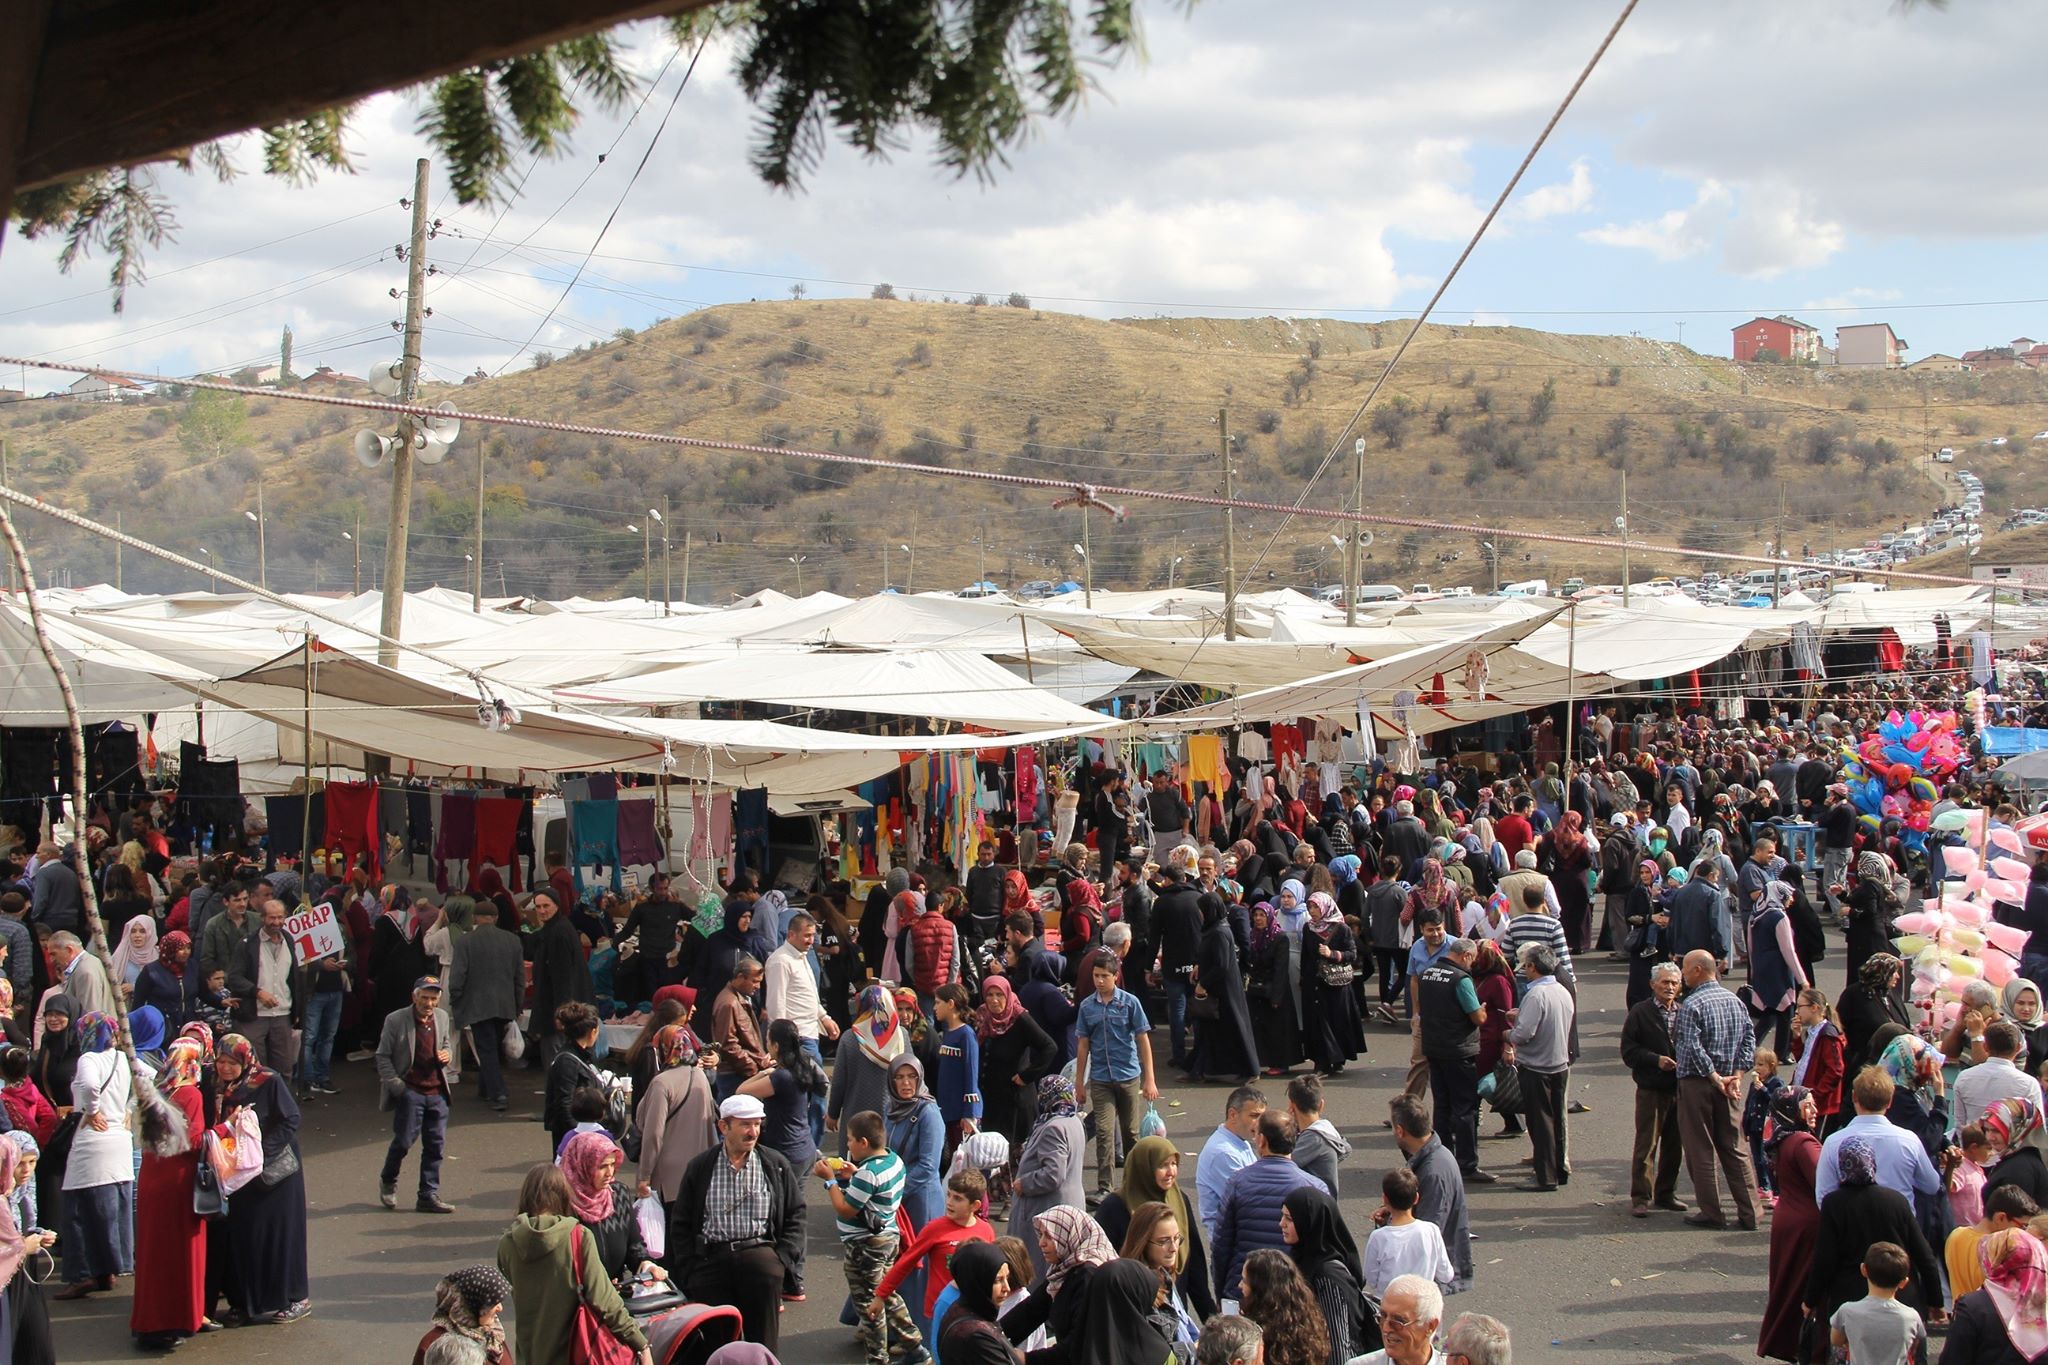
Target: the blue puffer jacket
(1250, 1217)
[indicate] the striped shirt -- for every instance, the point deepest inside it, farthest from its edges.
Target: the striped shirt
(736, 1207)
(875, 1191)
(1528, 926)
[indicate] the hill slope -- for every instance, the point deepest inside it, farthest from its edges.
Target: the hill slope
(1504, 426)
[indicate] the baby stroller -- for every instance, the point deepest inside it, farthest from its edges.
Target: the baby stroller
(680, 1332)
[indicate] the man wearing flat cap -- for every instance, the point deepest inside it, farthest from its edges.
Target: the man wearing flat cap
(736, 1228)
(415, 1061)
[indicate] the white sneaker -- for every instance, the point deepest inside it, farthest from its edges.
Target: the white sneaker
(361, 1054)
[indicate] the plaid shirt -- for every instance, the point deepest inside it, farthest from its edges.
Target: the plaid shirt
(736, 1207)
(1712, 1035)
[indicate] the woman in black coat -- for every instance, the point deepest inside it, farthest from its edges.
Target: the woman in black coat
(1331, 1030)
(570, 1069)
(717, 959)
(1274, 996)
(1223, 1041)
(561, 976)
(1857, 1214)
(1872, 908)
(266, 1222)
(396, 959)
(590, 1162)
(1981, 1331)
(1870, 1002)
(1015, 1054)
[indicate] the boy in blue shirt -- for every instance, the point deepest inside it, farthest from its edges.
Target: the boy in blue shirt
(1113, 1061)
(957, 1087)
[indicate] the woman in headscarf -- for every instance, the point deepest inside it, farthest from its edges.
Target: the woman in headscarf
(165, 983)
(1118, 1327)
(1567, 854)
(1345, 872)
(170, 1239)
(1329, 1006)
(718, 959)
(1872, 908)
(491, 887)
(1274, 996)
(1776, 975)
(1714, 851)
(57, 1049)
(917, 1135)
(470, 1303)
(458, 917)
(266, 1222)
(1866, 1005)
(599, 1201)
(677, 1112)
(1049, 1168)
(2022, 1001)
(134, 950)
(1434, 891)
(968, 1334)
(1494, 982)
(1152, 1176)
(860, 1073)
(398, 956)
(1794, 1148)
(24, 1313)
(2013, 1128)
(1068, 1248)
(2007, 1320)
(1224, 1044)
(1291, 905)
(1321, 1243)
(918, 1030)
(1858, 1212)
(99, 1178)
(1015, 1053)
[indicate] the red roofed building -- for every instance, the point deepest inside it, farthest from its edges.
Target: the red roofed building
(1786, 338)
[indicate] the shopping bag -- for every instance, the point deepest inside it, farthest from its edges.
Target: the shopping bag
(1151, 1125)
(237, 1157)
(653, 1221)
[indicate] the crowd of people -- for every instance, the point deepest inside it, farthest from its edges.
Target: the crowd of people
(960, 1067)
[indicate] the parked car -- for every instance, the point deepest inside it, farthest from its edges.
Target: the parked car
(1945, 455)
(1037, 588)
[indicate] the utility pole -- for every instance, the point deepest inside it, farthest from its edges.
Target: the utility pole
(1087, 562)
(476, 576)
(357, 541)
(686, 564)
(117, 551)
(1624, 536)
(502, 592)
(666, 594)
(1229, 526)
(1351, 540)
(13, 574)
(392, 618)
(647, 558)
(262, 540)
(1777, 572)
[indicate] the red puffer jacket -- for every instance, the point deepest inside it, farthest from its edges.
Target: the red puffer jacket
(931, 952)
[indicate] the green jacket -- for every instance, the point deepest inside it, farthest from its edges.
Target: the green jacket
(534, 1255)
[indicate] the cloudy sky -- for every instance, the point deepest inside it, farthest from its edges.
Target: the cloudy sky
(1847, 161)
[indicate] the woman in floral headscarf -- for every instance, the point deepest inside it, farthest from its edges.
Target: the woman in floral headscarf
(2013, 1127)
(860, 1073)
(1871, 909)
(1049, 1169)
(1566, 854)
(99, 1179)
(470, 1304)
(2007, 1319)
(266, 1223)
(170, 1239)
(1869, 1003)
(24, 1313)
(1068, 1247)
(1855, 1214)
(1332, 1033)
(677, 1113)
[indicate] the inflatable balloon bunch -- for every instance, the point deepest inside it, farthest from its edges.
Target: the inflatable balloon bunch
(1896, 773)
(1953, 939)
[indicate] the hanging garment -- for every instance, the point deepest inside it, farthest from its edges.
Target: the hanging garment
(1251, 745)
(1329, 741)
(750, 834)
(522, 834)
(1028, 784)
(603, 786)
(639, 843)
(394, 825)
(1806, 655)
(28, 776)
(1980, 657)
(1205, 764)
(455, 837)
(114, 757)
(288, 818)
(594, 841)
(352, 823)
(497, 828)
(419, 826)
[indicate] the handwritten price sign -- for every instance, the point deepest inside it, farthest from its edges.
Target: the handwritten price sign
(314, 932)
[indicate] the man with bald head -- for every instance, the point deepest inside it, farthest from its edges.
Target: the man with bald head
(1714, 1044)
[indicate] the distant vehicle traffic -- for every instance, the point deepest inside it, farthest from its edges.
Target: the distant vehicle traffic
(1035, 589)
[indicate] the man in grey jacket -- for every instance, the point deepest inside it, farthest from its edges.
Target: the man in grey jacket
(414, 1059)
(484, 985)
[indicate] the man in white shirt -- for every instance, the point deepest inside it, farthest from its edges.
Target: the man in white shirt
(1995, 1078)
(792, 993)
(1410, 1314)
(1228, 1151)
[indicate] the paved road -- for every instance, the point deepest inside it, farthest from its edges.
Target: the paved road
(1571, 1273)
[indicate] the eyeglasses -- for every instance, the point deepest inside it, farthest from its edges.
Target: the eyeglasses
(1396, 1320)
(1168, 1240)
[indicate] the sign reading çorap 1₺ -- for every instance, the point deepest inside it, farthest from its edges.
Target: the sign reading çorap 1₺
(314, 932)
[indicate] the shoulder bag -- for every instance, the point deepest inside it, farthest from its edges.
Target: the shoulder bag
(207, 1199)
(590, 1341)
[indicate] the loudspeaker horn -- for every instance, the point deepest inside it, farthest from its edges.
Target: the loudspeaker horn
(372, 449)
(383, 379)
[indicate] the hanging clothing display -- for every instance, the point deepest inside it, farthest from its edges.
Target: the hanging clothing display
(29, 776)
(1252, 746)
(289, 818)
(497, 827)
(114, 759)
(455, 838)
(1205, 764)
(750, 830)
(1029, 783)
(352, 824)
(594, 841)
(1980, 657)
(639, 842)
(523, 845)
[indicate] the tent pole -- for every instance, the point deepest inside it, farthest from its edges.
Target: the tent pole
(306, 738)
(1571, 708)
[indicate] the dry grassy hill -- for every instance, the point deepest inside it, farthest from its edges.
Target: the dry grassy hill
(1506, 426)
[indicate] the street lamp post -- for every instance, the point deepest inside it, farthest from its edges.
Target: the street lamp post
(662, 517)
(1493, 558)
(356, 541)
(1087, 568)
(911, 572)
(214, 560)
(262, 550)
(799, 560)
(1171, 566)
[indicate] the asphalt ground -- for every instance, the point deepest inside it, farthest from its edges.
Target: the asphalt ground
(1570, 1272)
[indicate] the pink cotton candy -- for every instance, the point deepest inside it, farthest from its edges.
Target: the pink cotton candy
(1959, 861)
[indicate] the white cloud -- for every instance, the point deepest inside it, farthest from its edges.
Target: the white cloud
(1574, 195)
(1855, 298)
(1776, 229)
(1677, 235)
